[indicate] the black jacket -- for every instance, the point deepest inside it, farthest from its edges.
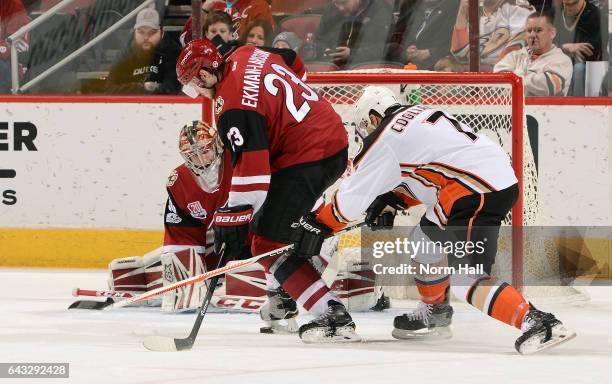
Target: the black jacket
(364, 33)
(591, 28)
(129, 74)
(427, 25)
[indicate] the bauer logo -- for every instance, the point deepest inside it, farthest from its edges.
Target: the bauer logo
(18, 136)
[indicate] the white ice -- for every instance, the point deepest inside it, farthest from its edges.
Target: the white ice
(106, 346)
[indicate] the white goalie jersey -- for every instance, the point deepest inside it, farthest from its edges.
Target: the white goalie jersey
(433, 158)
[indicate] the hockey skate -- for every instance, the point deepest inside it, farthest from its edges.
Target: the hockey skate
(541, 331)
(382, 303)
(279, 306)
(427, 321)
(334, 326)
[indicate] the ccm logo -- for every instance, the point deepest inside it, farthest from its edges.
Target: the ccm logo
(233, 219)
(309, 227)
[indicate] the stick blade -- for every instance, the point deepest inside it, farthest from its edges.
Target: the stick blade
(160, 343)
(91, 304)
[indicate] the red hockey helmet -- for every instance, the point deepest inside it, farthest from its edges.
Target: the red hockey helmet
(197, 54)
(202, 150)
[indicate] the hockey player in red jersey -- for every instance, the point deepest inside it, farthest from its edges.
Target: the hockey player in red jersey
(422, 155)
(288, 145)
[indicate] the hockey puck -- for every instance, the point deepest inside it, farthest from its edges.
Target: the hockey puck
(266, 330)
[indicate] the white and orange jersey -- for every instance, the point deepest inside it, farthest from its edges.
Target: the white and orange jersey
(432, 157)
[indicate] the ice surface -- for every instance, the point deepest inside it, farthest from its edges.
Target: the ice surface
(106, 346)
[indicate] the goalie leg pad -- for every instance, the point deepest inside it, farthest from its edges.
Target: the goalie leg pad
(356, 287)
(180, 266)
(127, 274)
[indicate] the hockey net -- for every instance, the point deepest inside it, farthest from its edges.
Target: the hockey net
(492, 104)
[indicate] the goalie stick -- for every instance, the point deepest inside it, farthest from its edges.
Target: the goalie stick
(94, 304)
(192, 280)
(101, 293)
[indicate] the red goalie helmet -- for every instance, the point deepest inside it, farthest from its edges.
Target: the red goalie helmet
(202, 150)
(197, 54)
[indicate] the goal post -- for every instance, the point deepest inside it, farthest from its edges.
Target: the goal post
(491, 103)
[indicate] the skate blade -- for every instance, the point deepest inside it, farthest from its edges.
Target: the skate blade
(275, 326)
(534, 344)
(323, 336)
(440, 333)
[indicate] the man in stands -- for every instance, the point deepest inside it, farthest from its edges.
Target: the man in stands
(581, 34)
(422, 155)
(288, 145)
(545, 69)
(147, 65)
(354, 31)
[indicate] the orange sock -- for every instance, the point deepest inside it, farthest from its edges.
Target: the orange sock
(433, 292)
(499, 300)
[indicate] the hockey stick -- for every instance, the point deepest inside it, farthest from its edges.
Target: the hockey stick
(207, 275)
(170, 344)
(101, 293)
(94, 304)
(237, 303)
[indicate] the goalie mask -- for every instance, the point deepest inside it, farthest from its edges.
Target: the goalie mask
(201, 147)
(374, 99)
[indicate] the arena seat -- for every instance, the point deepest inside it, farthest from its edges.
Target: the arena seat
(300, 25)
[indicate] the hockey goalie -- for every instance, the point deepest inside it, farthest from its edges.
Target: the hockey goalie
(195, 190)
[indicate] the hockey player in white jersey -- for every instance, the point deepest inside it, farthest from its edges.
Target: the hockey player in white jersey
(423, 155)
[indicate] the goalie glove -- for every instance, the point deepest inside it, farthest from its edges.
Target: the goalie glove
(381, 213)
(308, 236)
(231, 226)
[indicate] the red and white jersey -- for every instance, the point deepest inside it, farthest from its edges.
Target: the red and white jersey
(270, 120)
(189, 210)
(434, 159)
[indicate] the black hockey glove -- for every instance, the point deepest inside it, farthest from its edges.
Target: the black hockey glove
(381, 213)
(231, 226)
(308, 236)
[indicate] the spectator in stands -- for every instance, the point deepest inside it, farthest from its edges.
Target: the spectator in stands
(422, 34)
(242, 13)
(218, 23)
(148, 66)
(287, 40)
(354, 31)
(502, 29)
(258, 33)
(580, 35)
(545, 69)
(12, 17)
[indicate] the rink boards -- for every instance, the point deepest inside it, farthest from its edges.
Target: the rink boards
(90, 174)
